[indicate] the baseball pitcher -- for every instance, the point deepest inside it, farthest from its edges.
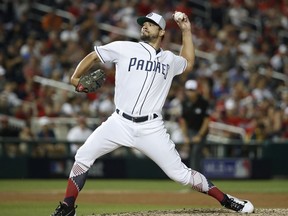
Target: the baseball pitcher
(143, 76)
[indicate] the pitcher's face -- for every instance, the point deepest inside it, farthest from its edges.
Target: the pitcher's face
(150, 32)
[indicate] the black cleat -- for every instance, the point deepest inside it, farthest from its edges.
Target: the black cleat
(64, 210)
(241, 206)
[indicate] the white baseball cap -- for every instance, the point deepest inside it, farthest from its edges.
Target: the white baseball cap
(154, 18)
(191, 85)
(44, 121)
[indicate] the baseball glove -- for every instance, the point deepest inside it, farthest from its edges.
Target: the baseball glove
(91, 82)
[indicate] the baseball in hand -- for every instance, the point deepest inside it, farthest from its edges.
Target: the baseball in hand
(178, 16)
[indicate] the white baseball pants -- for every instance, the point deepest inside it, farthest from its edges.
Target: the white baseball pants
(149, 137)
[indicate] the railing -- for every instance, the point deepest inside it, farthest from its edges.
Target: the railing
(14, 147)
(44, 8)
(53, 83)
(218, 126)
(14, 122)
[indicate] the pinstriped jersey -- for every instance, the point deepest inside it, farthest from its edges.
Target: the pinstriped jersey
(143, 75)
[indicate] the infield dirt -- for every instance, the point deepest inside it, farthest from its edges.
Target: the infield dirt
(202, 212)
(266, 204)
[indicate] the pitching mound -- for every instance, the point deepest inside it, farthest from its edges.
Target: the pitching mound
(202, 212)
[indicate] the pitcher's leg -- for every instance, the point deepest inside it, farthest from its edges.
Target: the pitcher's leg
(99, 143)
(161, 150)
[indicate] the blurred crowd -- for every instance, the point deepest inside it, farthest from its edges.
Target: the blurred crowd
(242, 73)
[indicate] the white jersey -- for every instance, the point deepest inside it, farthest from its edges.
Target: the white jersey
(143, 76)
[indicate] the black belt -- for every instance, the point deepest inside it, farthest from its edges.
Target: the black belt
(136, 119)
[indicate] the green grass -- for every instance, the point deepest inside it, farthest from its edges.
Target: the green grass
(257, 186)
(38, 208)
(32, 209)
(260, 186)
(25, 208)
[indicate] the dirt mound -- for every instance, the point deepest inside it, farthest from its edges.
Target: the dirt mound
(202, 212)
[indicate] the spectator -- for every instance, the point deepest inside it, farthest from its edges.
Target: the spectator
(26, 136)
(30, 48)
(45, 134)
(51, 21)
(69, 33)
(280, 58)
(71, 107)
(8, 98)
(31, 68)
(237, 12)
(2, 73)
(261, 92)
(14, 64)
(78, 133)
(46, 138)
(284, 135)
(259, 134)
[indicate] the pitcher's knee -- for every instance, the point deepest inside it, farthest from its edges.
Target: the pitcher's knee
(83, 159)
(182, 177)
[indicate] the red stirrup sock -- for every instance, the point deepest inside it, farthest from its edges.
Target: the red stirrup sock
(76, 181)
(216, 193)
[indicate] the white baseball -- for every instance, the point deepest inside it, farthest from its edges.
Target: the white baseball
(178, 16)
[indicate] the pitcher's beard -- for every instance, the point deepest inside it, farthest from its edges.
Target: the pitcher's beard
(147, 38)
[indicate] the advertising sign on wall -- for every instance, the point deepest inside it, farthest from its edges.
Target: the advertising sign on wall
(229, 168)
